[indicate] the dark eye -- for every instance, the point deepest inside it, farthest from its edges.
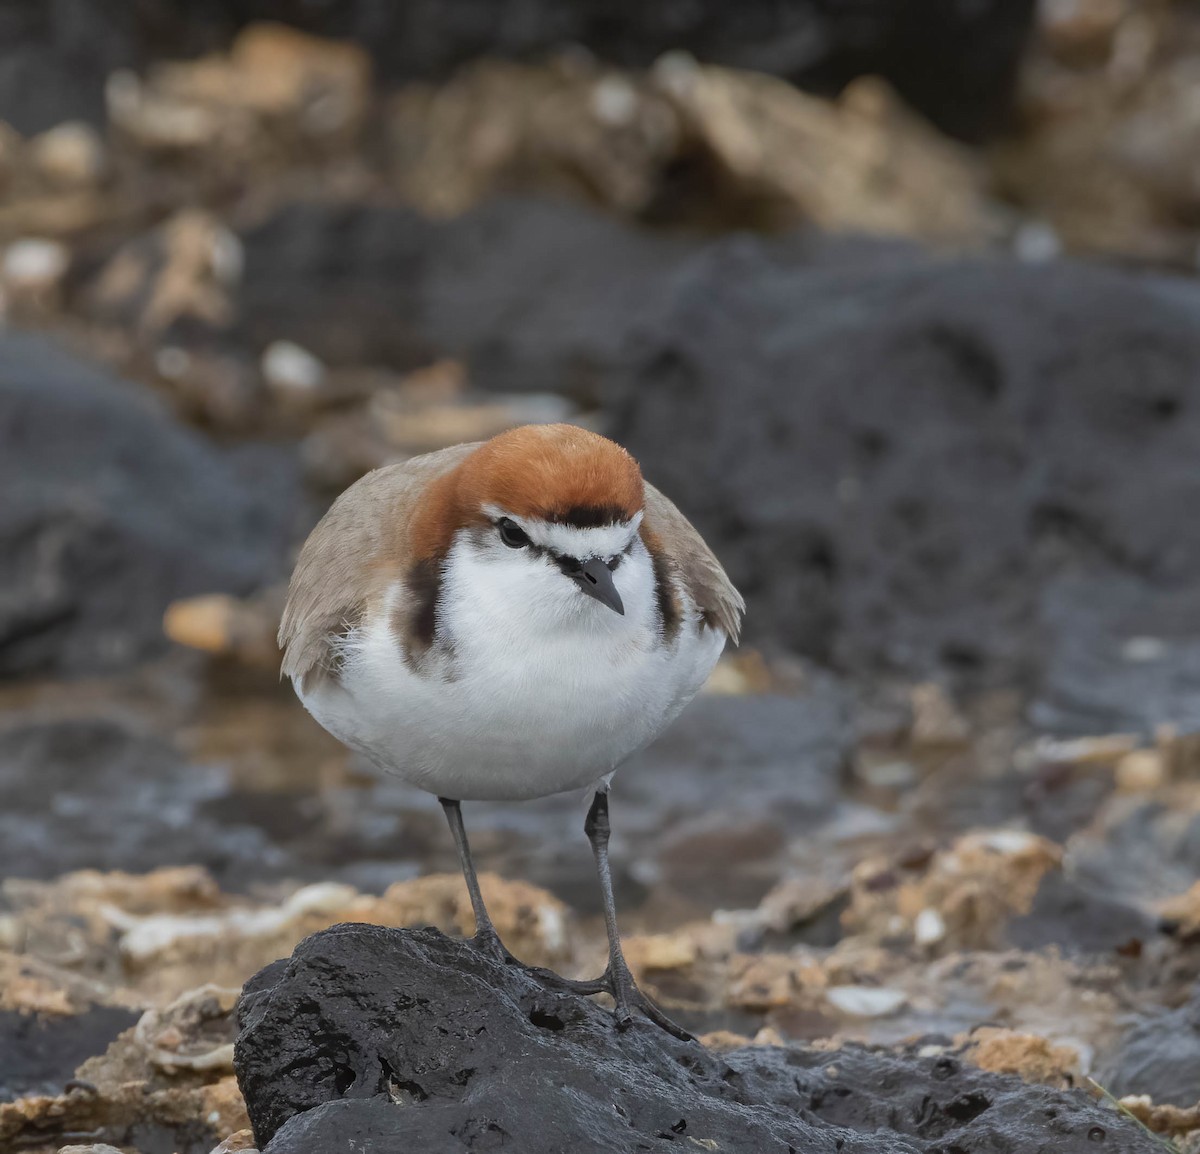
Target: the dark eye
(511, 533)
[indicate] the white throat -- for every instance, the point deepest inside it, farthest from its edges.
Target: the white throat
(495, 596)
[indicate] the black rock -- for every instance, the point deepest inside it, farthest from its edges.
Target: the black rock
(378, 1040)
(956, 62)
(95, 793)
(1079, 919)
(112, 510)
(1160, 1056)
(39, 1053)
(540, 293)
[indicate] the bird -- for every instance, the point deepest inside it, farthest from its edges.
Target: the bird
(505, 620)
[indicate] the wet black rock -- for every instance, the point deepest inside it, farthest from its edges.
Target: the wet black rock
(373, 1039)
(1159, 1056)
(39, 1053)
(966, 467)
(956, 62)
(112, 510)
(110, 792)
(1079, 919)
(97, 793)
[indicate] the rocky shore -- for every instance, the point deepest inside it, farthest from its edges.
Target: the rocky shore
(919, 869)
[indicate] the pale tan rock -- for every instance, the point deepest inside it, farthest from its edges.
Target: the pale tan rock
(1180, 753)
(972, 888)
(770, 981)
(137, 941)
(1183, 911)
(1141, 771)
(776, 155)
(568, 126)
(723, 1041)
(220, 624)
(70, 155)
(1030, 1056)
(240, 1143)
(12, 153)
(646, 953)
(863, 163)
(937, 722)
(795, 900)
(274, 80)
(282, 71)
(740, 673)
(185, 268)
(1162, 1118)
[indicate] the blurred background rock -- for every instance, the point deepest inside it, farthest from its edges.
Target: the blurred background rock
(897, 299)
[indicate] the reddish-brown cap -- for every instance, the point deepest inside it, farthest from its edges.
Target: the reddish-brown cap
(553, 472)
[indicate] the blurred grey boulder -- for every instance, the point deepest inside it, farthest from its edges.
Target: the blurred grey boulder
(112, 510)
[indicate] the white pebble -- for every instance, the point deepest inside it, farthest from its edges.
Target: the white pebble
(172, 362)
(676, 71)
(1141, 649)
(930, 927)
(34, 263)
(287, 366)
(865, 1001)
(1037, 243)
(614, 101)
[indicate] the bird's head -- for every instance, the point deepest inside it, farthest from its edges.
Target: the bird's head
(547, 516)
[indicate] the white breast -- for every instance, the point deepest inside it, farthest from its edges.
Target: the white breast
(534, 687)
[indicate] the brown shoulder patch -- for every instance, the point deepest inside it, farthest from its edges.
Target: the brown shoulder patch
(670, 612)
(415, 623)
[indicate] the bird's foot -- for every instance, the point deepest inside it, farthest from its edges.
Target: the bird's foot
(618, 982)
(488, 943)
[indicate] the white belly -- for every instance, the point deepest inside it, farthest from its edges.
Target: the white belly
(519, 710)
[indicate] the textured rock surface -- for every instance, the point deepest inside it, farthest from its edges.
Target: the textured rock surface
(369, 1038)
(112, 510)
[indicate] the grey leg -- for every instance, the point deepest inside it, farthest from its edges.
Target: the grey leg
(485, 937)
(617, 978)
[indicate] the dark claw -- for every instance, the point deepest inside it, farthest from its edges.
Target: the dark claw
(625, 993)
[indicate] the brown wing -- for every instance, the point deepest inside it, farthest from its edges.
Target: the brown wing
(718, 601)
(356, 550)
